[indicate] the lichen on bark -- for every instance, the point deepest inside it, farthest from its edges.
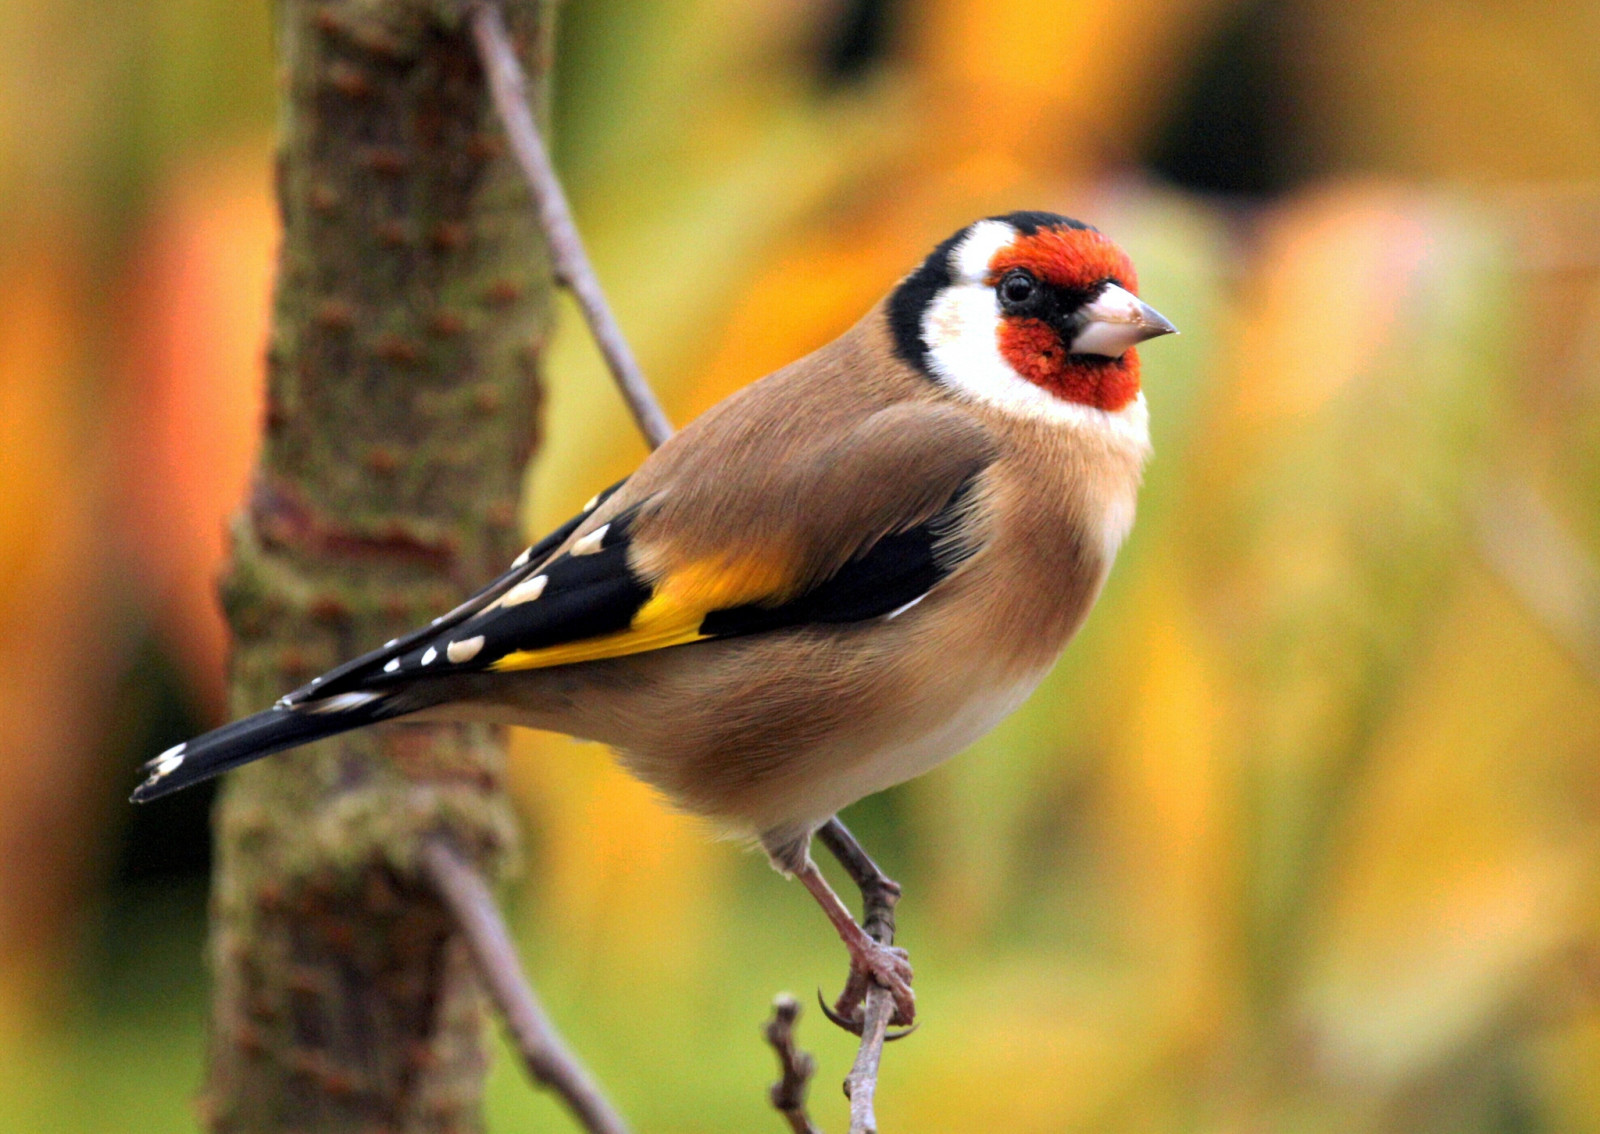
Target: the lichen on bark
(411, 305)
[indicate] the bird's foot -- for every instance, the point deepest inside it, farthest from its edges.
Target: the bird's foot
(873, 963)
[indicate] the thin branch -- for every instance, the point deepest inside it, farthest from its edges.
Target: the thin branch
(861, 1085)
(507, 85)
(788, 1094)
(546, 1056)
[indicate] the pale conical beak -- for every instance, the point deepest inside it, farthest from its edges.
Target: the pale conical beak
(1117, 320)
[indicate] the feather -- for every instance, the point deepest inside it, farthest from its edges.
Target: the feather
(259, 735)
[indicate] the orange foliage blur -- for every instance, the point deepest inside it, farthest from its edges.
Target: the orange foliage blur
(56, 623)
(190, 421)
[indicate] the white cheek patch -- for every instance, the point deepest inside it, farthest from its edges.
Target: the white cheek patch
(961, 328)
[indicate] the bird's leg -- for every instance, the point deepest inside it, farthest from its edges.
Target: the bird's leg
(873, 956)
(870, 959)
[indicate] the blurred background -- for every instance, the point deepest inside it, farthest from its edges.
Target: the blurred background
(1303, 832)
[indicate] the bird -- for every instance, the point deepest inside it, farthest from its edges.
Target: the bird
(830, 582)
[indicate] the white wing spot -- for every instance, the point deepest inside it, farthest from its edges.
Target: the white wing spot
(523, 558)
(464, 650)
(391, 643)
(590, 543)
(427, 658)
(526, 591)
(393, 665)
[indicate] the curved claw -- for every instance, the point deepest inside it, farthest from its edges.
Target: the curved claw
(890, 1037)
(850, 1026)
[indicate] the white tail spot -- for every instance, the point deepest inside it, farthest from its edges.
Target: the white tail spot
(427, 658)
(168, 762)
(523, 558)
(464, 650)
(393, 665)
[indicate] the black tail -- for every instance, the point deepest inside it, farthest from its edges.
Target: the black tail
(257, 736)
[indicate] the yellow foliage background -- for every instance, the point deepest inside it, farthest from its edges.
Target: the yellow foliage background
(1302, 833)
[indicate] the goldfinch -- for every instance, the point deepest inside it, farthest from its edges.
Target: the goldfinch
(830, 582)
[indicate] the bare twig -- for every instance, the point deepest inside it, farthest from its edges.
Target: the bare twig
(547, 1057)
(879, 893)
(508, 85)
(543, 1052)
(861, 1085)
(788, 1094)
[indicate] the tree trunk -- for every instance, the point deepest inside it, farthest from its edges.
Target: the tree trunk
(412, 300)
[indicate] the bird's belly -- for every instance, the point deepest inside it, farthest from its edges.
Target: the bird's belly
(858, 771)
(721, 739)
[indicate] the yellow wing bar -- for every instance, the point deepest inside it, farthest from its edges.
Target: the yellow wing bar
(672, 615)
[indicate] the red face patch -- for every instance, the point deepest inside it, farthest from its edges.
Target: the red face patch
(1074, 259)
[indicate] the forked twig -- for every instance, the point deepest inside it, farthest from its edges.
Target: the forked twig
(544, 1053)
(788, 1094)
(508, 85)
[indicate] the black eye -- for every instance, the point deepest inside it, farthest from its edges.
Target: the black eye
(1017, 288)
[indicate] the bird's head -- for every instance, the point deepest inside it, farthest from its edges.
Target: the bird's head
(1027, 310)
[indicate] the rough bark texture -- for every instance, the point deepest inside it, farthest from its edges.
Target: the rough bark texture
(411, 304)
